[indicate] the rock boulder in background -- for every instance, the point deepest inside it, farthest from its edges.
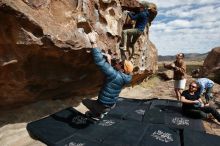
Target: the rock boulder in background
(43, 43)
(211, 65)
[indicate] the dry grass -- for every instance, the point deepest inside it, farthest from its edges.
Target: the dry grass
(151, 83)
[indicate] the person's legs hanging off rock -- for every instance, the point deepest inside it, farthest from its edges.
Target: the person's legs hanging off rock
(133, 34)
(129, 37)
(133, 41)
(142, 19)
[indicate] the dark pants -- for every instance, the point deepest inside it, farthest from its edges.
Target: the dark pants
(208, 94)
(96, 107)
(133, 35)
(202, 112)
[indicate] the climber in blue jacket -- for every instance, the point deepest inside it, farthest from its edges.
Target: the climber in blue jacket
(116, 77)
(142, 19)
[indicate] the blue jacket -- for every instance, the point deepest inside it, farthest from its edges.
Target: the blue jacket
(204, 83)
(141, 18)
(114, 80)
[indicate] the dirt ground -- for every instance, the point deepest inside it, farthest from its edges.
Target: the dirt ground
(13, 123)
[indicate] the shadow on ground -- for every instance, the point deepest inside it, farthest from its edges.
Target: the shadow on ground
(37, 110)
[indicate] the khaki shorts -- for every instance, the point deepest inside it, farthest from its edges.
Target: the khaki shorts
(180, 84)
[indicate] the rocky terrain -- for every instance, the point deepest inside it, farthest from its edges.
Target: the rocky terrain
(211, 65)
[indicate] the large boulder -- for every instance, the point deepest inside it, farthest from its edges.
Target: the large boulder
(211, 65)
(43, 48)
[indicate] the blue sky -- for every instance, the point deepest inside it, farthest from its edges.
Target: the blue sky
(188, 26)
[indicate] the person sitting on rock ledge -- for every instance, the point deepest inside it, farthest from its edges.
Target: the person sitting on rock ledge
(193, 105)
(116, 76)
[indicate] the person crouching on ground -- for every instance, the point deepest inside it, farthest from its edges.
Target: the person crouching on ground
(179, 68)
(116, 76)
(193, 105)
(205, 86)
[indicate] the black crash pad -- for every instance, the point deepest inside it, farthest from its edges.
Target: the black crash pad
(129, 109)
(63, 131)
(132, 122)
(58, 126)
(160, 135)
(155, 111)
(114, 132)
(174, 119)
(196, 138)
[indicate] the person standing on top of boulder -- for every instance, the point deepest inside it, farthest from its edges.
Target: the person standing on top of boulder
(179, 68)
(116, 76)
(205, 86)
(141, 18)
(193, 105)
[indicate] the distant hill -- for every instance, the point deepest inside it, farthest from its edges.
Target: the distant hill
(188, 56)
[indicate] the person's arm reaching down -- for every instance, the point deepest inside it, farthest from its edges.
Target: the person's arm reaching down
(201, 89)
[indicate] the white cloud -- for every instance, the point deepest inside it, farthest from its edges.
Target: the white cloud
(179, 23)
(186, 26)
(175, 3)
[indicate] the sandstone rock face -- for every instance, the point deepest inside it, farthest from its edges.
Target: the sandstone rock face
(211, 65)
(43, 47)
